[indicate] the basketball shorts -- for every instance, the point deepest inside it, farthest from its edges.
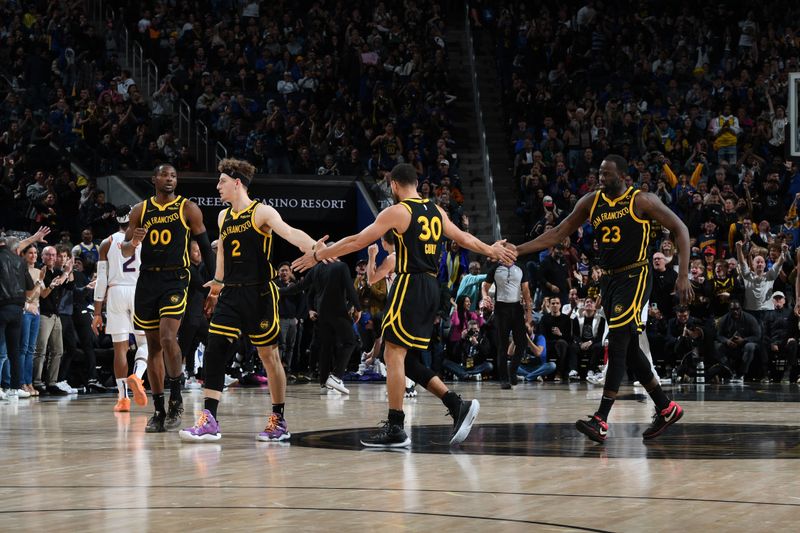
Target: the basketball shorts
(411, 311)
(160, 294)
(248, 310)
(119, 310)
(624, 295)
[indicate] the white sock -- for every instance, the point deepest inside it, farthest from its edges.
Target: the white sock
(122, 388)
(139, 367)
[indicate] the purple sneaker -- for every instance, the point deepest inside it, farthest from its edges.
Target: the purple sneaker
(206, 429)
(275, 431)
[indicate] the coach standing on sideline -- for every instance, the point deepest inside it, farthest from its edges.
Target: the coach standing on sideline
(14, 283)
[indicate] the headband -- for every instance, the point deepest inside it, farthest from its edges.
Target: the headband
(241, 177)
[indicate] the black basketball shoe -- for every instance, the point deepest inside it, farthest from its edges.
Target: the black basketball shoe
(595, 428)
(463, 419)
(174, 412)
(662, 420)
(156, 423)
(389, 436)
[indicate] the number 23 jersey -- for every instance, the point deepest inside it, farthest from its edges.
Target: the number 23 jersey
(623, 237)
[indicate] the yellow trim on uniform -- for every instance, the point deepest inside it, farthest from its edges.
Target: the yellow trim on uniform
(633, 212)
(181, 302)
(223, 333)
(406, 206)
(137, 319)
(166, 205)
(636, 305)
(394, 317)
(612, 203)
(213, 325)
(237, 214)
(402, 264)
(594, 205)
(144, 210)
(633, 302)
(275, 329)
(181, 216)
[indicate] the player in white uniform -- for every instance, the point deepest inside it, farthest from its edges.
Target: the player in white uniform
(116, 284)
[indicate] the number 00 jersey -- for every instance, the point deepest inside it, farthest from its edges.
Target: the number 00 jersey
(418, 248)
(166, 245)
(623, 237)
(246, 248)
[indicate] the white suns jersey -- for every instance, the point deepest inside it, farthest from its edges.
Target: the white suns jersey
(122, 270)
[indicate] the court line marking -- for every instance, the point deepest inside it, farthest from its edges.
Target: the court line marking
(323, 509)
(379, 489)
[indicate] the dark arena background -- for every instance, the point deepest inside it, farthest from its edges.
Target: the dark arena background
(510, 113)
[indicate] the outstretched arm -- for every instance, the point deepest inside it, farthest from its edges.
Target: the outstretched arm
(497, 251)
(267, 216)
(395, 217)
(567, 227)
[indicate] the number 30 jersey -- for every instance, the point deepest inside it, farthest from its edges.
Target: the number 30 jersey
(622, 236)
(122, 270)
(166, 245)
(418, 247)
(247, 249)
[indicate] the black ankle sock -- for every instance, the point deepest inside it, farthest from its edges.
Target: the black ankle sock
(277, 408)
(211, 404)
(605, 407)
(174, 389)
(158, 402)
(452, 401)
(659, 398)
(396, 417)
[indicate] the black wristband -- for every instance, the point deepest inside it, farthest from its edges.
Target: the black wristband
(219, 281)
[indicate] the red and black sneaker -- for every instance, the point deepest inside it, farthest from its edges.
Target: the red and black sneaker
(662, 420)
(595, 428)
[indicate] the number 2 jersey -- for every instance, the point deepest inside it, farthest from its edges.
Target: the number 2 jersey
(122, 270)
(623, 237)
(417, 248)
(166, 245)
(247, 249)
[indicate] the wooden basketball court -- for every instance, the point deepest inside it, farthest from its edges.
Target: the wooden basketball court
(730, 464)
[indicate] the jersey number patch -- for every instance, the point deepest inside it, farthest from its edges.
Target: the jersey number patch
(610, 234)
(164, 237)
(235, 248)
(431, 227)
(126, 266)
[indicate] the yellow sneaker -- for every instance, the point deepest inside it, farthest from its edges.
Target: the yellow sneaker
(136, 385)
(123, 405)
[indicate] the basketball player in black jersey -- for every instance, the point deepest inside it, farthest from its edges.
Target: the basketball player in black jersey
(620, 217)
(163, 225)
(419, 227)
(244, 298)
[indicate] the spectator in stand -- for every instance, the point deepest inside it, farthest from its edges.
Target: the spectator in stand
(688, 341)
(49, 344)
(459, 320)
(87, 248)
(452, 266)
(472, 354)
(758, 281)
(554, 274)
(557, 330)
(664, 280)
(534, 365)
(15, 285)
(780, 338)
(738, 338)
(588, 328)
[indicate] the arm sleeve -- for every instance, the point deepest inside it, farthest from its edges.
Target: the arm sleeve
(102, 281)
(209, 258)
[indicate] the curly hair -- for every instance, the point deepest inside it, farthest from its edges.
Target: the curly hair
(232, 166)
